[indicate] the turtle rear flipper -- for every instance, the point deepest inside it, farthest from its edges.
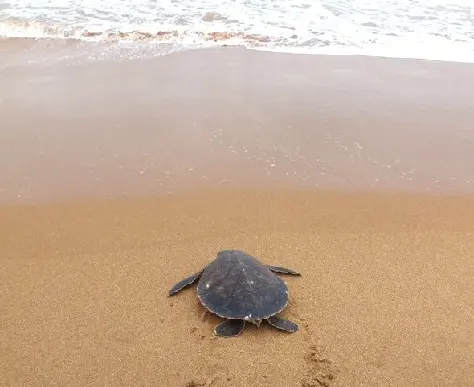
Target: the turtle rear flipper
(281, 323)
(283, 270)
(229, 328)
(181, 284)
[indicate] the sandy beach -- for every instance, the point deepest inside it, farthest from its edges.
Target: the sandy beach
(119, 178)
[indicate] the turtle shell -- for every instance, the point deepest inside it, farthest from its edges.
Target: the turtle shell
(238, 286)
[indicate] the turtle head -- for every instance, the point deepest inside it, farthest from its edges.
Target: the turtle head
(227, 252)
(230, 253)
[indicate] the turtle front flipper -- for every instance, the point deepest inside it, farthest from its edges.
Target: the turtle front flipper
(283, 270)
(181, 284)
(281, 323)
(229, 328)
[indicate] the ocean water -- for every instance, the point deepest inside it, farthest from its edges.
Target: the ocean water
(425, 29)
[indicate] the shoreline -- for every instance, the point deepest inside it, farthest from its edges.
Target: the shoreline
(109, 42)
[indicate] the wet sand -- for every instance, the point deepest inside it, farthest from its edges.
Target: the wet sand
(357, 172)
(230, 117)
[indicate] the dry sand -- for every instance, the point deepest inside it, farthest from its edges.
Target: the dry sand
(336, 167)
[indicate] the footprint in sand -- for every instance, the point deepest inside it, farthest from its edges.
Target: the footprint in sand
(208, 382)
(321, 372)
(193, 383)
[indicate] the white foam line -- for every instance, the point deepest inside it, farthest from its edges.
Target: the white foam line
(418, 29)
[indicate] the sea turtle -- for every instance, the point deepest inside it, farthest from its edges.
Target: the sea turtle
(239, 288)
